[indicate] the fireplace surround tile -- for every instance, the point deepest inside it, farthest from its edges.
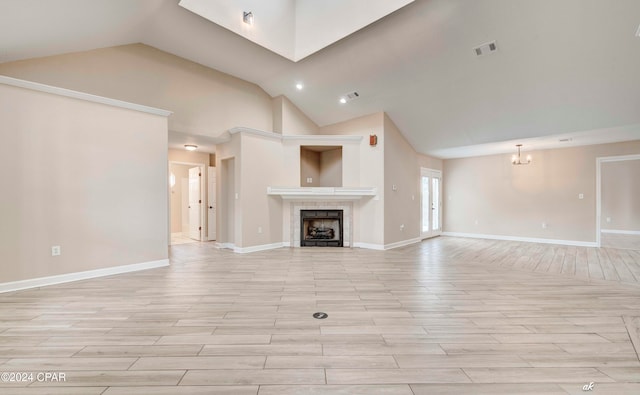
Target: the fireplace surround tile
(346, 207)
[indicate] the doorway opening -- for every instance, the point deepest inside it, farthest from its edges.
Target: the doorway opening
(187, 190)
(617, 205)
(430, 203)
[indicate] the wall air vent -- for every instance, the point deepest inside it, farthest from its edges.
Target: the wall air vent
(486, 48)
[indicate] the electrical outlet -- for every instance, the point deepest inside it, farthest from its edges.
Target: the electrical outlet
(608, 219)
(402, 227)
(581, 196)
(55, 251)
(477, 222)
(259, 229)
(394, 187)
(544, 225)
(309, 180)
(237, 196)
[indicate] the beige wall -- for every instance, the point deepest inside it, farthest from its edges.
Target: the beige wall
(309, 167)
(226, 205)
(429, 162)
(184, 156)
(289, 120)
(508, 200)
(331, 168)
(621, 195)
(203, 100)
(402, 169)
(402, 205)
(88, 177)
(228, 176)
(364, 168)
(323, 167)
(261, 213)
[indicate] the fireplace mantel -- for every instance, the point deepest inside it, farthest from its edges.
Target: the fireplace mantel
(321, 193)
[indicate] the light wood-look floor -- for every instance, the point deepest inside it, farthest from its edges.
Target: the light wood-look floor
(620, 241)
(446, 316)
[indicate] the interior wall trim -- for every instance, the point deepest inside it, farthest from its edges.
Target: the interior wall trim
(622, 232)
(262, 247)
(77, 276)
(576, 243)
(81, 96)
(383, 247)
(320, 138)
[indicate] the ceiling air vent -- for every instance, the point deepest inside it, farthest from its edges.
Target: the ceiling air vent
(347, 97)
(351, 95)
(486, 48)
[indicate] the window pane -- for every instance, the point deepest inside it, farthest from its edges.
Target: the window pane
(426, 207)
(436, 203)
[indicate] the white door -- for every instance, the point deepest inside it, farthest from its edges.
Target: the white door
(211, 196)
(195, 202)
(430, 203)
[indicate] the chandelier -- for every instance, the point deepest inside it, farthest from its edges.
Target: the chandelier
(517, 159)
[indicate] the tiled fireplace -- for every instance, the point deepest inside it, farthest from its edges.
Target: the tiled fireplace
(322, 198)
(300, 210)
(321, 228)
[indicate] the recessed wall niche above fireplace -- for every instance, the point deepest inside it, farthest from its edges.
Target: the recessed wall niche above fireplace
(320, 166)
(321, 228)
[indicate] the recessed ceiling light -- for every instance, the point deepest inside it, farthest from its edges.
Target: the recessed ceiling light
(190, 147)
(343, 100)
(299, 86)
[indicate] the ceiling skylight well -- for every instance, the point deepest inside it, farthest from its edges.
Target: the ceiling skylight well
(294, 29)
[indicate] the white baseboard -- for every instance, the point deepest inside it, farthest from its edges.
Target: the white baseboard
(69, 277)
(263, 247)
(381, 247)
(229, 246)
(286, 244)
(621, 232)
(402, 243)
(524, 239)
(369, 246)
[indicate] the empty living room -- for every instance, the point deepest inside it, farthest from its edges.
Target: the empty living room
(250, 197)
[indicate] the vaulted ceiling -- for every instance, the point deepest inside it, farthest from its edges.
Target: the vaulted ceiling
(563, 68)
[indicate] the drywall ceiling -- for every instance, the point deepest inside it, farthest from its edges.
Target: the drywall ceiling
(561, 66)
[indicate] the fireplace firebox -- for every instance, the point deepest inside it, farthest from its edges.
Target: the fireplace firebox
(321, 228)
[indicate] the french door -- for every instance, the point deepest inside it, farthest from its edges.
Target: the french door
(430, 202)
